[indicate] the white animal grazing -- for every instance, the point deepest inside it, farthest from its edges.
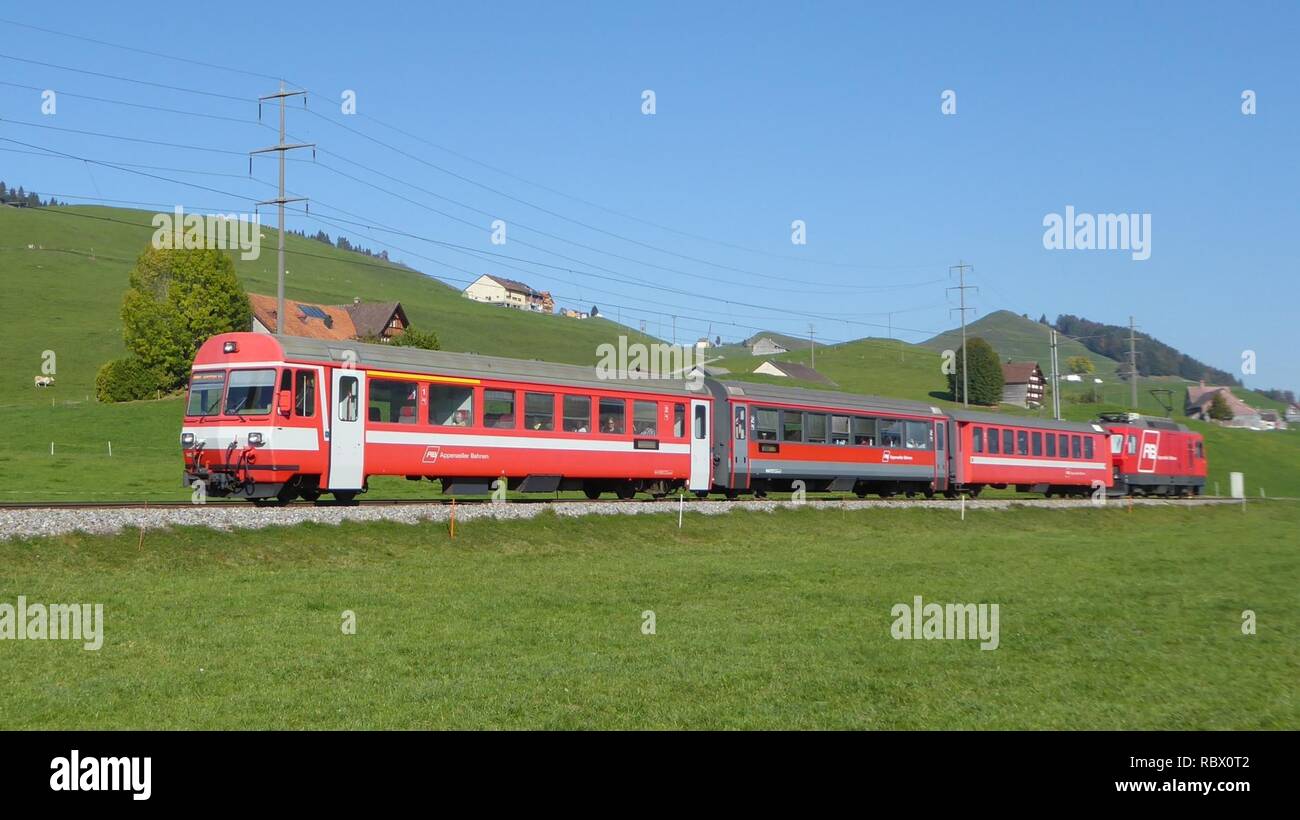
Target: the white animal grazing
(44, 381)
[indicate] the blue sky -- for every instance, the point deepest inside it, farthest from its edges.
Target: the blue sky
(828, 113)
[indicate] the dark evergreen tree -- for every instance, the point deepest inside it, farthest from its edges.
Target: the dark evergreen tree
(985, 379)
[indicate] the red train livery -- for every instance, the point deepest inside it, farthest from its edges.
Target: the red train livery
(1152, 456)
(273, 419)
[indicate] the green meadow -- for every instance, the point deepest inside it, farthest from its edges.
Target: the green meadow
(1108, 619)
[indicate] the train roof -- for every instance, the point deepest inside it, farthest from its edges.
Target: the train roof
(471, 365)
(1024, 421)
(1149, 422)
(758, 391)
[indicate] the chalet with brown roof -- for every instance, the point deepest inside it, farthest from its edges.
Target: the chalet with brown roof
(359, 320)
(1201, 397)
(1023, 384)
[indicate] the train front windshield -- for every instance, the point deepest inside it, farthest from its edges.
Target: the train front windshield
(205, 393)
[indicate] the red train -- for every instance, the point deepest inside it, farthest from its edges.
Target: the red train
(1153, 456)
(275, 419)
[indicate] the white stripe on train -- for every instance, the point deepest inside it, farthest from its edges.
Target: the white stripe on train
(518, 442)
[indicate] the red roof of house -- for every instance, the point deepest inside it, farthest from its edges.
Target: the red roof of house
(299, 323)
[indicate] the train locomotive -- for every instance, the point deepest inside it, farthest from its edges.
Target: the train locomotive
(274, 419)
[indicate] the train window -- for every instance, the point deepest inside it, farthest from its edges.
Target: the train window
(891, 432)
(450, 405)
(920, 435)
(791, 426)
(815, 424)
(1116, 444)
(864, 431)
(740, 422)
(613, 413)
(393, 402)
(940, 428)
(1076, 448)
(1008, 442)
(205, 393)
(766, 424)
(701, 428)
(679, 420)
(539, 411)
(1051, 445)
(1037, 444)
(1022, 442)
(499, 409)
(250, 392)
(993, 440)
(577, 414)
(1065, 445)
(839, 429)
(977, 439)
(304, 393)
(347, 398)
(286, 379)
(1200, 450)
(645, 418)
(1132, 445)
(1087, 447)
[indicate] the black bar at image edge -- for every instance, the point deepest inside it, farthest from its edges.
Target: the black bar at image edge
(332, 769)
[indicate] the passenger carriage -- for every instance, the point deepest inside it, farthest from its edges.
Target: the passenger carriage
(768, 437)
(1033, 455)
(1153, 456)
(281, 418)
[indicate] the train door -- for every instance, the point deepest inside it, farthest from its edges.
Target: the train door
(701, 455)
(740, 446)
(941, 455)
(347, 433)
(1148, 451)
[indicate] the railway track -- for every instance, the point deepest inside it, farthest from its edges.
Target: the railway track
(242, 504)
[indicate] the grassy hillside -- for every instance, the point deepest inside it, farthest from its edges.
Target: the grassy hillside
(1023, 340)
(65, 269)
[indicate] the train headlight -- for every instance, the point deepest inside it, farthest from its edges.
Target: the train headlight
(230, 347)
(254, 439)
(187, 440)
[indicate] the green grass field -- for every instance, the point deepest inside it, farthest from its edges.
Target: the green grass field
(1108, 619)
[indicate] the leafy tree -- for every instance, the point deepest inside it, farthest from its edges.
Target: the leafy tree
(595, 311)
(174, 301)
(424, 339)
(1219, 409)
(985, 373)
(1081, 365)
(1042, 320)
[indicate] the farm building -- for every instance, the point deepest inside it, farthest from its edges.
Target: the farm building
(791, 370)
(359, 320)
(497, 290)
(1023, 384)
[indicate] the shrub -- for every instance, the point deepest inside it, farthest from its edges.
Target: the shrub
(125, 379)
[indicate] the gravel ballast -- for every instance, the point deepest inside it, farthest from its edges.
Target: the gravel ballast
(39, 522)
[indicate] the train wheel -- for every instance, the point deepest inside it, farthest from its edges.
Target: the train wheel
(702, 494)
(345, 496)
(592, 493)
(625, 491)
(975, 491)
(312, 494)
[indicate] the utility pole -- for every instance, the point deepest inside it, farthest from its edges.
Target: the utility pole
(812, 341)
(1132, 364)
(962, 287)
(1056, 381)
(281, 200)
(674, 331)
